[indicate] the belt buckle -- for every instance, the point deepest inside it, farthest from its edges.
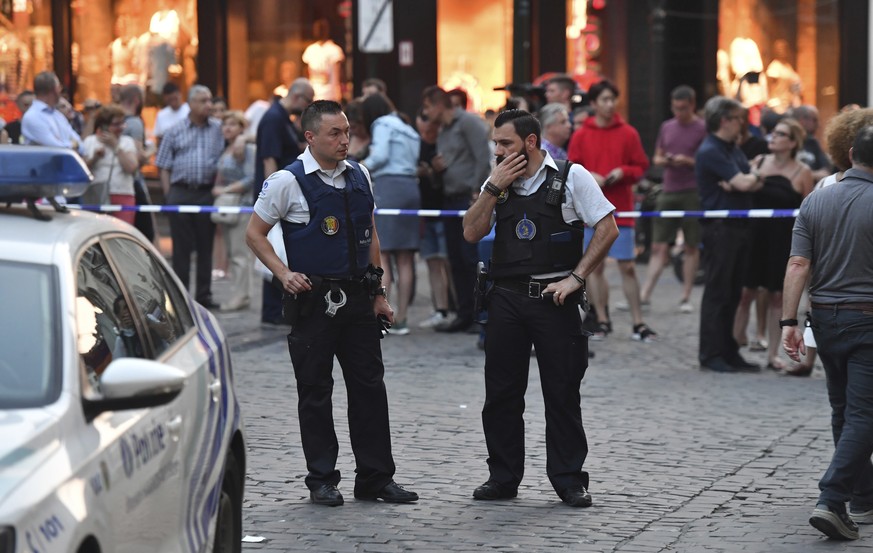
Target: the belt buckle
(534, 290)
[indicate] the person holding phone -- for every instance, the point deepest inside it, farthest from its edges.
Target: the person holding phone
(113, 158)
(612, 152)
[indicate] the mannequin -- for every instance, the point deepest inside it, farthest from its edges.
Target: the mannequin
(323, 59)
(784, 81)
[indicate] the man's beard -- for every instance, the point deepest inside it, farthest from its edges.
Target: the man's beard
(523, 154)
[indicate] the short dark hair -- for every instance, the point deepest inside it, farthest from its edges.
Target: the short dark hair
(599, 87)
(436, 95)
(564, 81)
(130, 92)
(169, 88)
(523, 122)
(378, 83)
(373, 107)
(684, 92)
(460, 93)
(718, 108)
(862, 147)
(311, 118)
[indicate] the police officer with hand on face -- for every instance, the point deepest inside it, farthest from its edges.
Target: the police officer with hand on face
(538, 272)
(325, 206)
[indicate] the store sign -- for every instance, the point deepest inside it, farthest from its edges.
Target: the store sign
(404, 49)
(376, 26)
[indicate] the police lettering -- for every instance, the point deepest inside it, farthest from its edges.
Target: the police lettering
(147, 446)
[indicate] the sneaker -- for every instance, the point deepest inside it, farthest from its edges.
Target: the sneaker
(837, 526)
(400, 329)
(643, 333)
(434, 320)
(861, 516)
(625, 306)
(601, 331)
(686, 307)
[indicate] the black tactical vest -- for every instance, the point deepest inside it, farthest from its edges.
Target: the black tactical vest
(531, 236)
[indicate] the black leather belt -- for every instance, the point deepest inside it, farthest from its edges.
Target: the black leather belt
(844, 306)
(528, 287)
(192, 186)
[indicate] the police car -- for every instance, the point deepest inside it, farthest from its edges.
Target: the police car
(119, 426)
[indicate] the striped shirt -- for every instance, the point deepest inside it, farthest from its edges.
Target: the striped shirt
(190, 152)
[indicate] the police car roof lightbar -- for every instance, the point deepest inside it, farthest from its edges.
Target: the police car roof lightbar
(32, 172)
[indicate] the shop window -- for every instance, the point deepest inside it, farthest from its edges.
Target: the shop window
(468, 55)
(779, 54)
(118, 42)
(25, 46)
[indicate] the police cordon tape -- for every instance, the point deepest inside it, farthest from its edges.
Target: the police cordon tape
(711, 214)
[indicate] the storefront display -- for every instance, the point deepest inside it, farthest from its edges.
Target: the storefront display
(25, 43)
(121, 42)
(779, 54)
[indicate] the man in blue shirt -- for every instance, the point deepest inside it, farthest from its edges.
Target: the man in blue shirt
(43, 124)
(278, 145)
(724, 182)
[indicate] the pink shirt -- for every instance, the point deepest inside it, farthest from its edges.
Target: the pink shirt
(676, 138)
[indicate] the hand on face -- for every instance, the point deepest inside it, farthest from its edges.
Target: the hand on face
(508, 169)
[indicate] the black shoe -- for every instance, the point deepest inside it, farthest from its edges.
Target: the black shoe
(576, 496)
(837, 526)
(210, 305)
(391, 493)
(492, 490)
(743, 365)
(719, 365)
(326, 494)
(457, 325)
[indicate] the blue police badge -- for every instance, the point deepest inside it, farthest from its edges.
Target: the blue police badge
(525, 229)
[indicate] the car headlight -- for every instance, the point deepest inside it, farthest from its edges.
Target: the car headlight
(7, 539)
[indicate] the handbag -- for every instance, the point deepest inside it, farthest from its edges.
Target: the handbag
(226, 200)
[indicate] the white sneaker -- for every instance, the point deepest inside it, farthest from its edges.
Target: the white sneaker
(686, 307)
(432, 321)
(625, 306)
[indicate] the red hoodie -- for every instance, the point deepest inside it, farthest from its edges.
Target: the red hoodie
(602, 149)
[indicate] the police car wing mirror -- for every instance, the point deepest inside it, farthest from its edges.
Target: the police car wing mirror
(133, 383)
(30, 173)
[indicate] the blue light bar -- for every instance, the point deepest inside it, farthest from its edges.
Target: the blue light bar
(32, 172)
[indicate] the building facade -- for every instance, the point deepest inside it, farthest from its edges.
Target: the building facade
(768, 53)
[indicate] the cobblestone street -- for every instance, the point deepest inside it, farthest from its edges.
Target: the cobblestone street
(680, 459)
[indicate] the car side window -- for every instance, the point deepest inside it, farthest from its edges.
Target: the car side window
(154, 294)
(105, 326)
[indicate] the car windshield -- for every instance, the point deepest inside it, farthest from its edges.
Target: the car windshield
(29, 359)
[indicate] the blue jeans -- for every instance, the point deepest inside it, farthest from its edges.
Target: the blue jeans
(845, 344)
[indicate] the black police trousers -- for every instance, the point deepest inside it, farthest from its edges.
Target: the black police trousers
(514, 323)
(352, 336)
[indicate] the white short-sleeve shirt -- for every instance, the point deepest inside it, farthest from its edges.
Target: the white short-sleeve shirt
(281, 197)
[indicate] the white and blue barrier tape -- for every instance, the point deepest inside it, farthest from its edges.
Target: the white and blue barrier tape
(712, 214)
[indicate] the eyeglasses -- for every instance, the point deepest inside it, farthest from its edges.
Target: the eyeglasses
(783, 134)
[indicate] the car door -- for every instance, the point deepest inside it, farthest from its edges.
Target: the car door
(136, 446)
(178, 341)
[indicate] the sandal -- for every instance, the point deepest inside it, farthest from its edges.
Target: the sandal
(642, 333)
(601, 330)
(758, 345)
(797, 370)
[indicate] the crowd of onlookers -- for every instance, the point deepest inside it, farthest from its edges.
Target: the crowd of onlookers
(438, 158)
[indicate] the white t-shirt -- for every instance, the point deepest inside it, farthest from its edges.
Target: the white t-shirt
(282, 198)
(168, 117)
(108, 167)
(322, 57)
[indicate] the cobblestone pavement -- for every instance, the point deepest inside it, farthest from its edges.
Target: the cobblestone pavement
(681, 459)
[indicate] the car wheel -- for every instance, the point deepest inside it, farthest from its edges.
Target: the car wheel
(228, 524)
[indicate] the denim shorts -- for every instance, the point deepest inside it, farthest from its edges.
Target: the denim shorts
(623, 249)
(433, 240)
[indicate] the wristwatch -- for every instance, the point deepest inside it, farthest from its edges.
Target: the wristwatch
(787, 322)
(381, 292)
